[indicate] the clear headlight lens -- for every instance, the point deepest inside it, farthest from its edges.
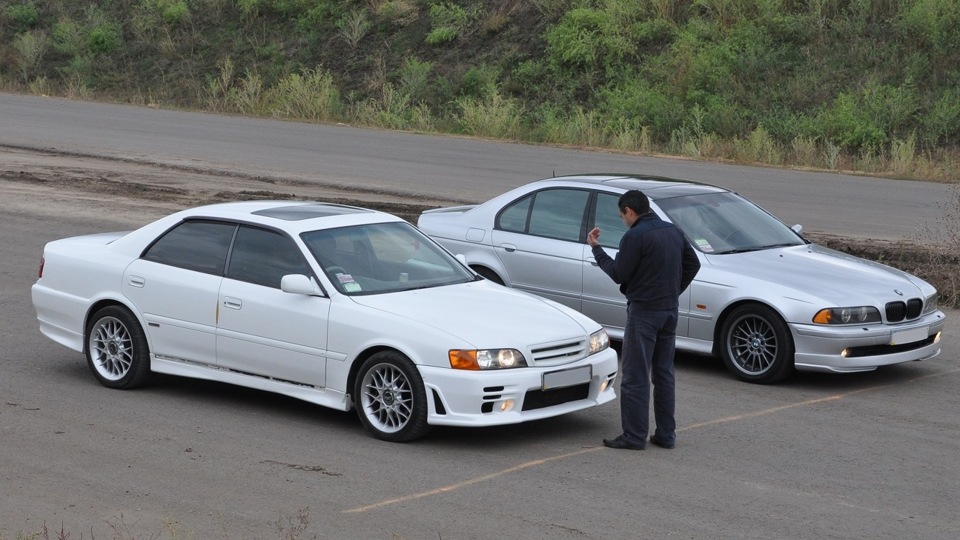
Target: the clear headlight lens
(848, 315)
(599, 341)
(478, 359)
(931, 304)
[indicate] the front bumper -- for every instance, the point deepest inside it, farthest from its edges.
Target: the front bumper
(845, 349)
(483, 398)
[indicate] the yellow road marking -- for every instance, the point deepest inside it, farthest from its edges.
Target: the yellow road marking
(724, 420)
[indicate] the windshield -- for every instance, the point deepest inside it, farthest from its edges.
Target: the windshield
(727, 223)
(383, 258)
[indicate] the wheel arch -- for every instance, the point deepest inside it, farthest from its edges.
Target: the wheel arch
(358, 362)
(107, 302)
(725, 314)
(487, 272)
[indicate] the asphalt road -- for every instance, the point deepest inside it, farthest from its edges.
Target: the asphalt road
(455, 168)
(859, 456)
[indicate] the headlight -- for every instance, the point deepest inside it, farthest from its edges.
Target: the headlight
(931, 304)
(476, 360)
(599, 341)
(847, 315)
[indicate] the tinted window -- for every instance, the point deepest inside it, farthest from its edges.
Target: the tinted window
(553, 213)
(514, 217)
(194, 245)
(263, 257)
(607, 218)
(558, 213)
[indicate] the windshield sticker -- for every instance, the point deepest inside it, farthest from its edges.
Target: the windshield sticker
(349, 284)
(703, 245)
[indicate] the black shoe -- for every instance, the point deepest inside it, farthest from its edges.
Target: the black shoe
(621, 444)
(661, 443)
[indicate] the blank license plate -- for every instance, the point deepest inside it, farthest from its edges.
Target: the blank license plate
(567, 377)
(909, 336)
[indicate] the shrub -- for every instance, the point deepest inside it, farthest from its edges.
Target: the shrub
(103, 38)
(448, 21)
(310, 95)
(353, 27)
(23, 16)
(415, 79)
(494, 116)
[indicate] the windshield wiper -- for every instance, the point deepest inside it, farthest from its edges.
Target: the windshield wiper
(756, 248)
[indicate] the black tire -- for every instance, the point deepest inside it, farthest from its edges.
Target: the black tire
(117, 350)
(756, 345)
(487, 273)
(390, 398)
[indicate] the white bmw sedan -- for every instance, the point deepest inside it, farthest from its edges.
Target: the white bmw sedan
(335, 305)
(765, 300)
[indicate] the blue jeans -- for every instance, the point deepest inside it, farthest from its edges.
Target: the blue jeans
(649, 341)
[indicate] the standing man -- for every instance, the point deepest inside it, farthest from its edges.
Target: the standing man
(655, 264)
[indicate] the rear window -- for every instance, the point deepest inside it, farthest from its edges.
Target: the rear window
(194, 245)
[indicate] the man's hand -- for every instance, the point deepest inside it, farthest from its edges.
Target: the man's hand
(593, 237)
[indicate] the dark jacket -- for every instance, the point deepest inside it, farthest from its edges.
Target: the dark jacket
(655, 263)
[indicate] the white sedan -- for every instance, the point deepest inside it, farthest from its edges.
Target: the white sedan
(765, 300)
(335, 305)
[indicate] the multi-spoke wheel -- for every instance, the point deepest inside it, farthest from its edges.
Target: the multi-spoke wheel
(117, 351)
(390, 398)
(756, 345)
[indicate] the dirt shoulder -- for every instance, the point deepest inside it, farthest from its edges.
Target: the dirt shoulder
(55, 183)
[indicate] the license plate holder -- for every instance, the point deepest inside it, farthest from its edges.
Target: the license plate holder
(563, 378)
(909, 336)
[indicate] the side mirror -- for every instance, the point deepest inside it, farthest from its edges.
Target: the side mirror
(461, 258)
(797, 228)
(299, 284)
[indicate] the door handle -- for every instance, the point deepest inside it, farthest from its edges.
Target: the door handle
(509, 248)
(232, 303)
(136, 281)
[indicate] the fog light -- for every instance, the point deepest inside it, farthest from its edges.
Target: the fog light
(844, 353)
(604, 385)
(506, 405)
(937, 339)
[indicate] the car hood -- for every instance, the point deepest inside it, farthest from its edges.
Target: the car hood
(485, 314)
(824, 273)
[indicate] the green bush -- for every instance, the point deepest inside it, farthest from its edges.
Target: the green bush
(68, 37)
(103, 38)
(448, 21)
(23, 16)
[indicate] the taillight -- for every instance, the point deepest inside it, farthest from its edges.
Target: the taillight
(40, 271)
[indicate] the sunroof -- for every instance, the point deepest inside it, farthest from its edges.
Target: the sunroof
(297, 212)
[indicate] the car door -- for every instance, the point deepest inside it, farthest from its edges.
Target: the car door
(539, 240)
(602, 299)
(262, 330)
(174, 285)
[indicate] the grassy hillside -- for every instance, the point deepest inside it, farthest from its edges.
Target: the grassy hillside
(869, 85)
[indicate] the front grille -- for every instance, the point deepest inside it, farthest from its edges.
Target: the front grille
(900, 311)
(539, 399)
(554, 353)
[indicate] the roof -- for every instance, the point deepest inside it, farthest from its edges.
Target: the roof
(655, 187)
(289, 215)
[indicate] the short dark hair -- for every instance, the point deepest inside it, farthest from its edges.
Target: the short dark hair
(634, 200)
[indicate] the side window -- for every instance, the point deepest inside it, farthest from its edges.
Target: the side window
(558, 213)
(263, 257)
(607, 217)
(514, 217)
(194, 245)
